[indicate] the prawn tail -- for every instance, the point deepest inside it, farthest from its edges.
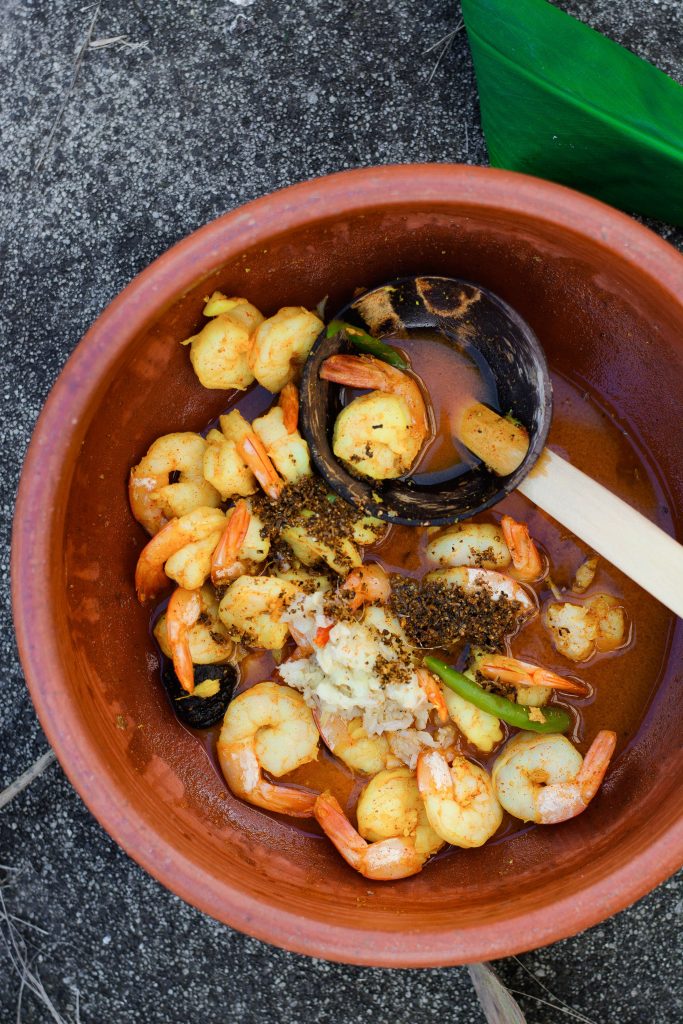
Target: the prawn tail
(253, 452)
(242, 772)
(433, 693)
(596, 763)
(565, 800)
(512, 672)
(356, 372)
(183, 666)
(231, 541)
(338, 828)
(525, 555)
(289, 403)
(297, 803)
(544, 677)
(183, 610)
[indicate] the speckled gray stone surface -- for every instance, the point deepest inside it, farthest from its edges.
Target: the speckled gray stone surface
(226, 101)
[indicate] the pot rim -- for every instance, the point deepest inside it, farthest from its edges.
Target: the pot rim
(56, 439)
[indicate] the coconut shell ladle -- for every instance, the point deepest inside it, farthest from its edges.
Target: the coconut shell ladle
(487, 330)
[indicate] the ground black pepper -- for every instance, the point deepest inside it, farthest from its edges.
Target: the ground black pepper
(438, 615)
(308, 504)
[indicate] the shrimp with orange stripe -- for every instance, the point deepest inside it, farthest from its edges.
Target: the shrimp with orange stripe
(379, 434)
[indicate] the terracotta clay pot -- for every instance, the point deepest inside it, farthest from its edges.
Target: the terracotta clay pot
(606, 297)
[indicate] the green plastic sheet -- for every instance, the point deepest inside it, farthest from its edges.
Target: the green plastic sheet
(563, 102)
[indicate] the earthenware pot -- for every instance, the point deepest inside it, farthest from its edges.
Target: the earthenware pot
(603, 293)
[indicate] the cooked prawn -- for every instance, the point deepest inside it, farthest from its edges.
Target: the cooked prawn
(481, 545)
(545, 779)
(225, 469)
(517, 673)
(250, 448)
(289, 404)
(224, 563)
(380, 434)
(196, 526)
(256, 457)
(526, 558)
(252, 608)
(478, 727)
(387, 859)
(368, 583)
(311, 551)
(207, 637)
(153, 499)
(578, 630)
(281, 440)
(496, 583)
(184, 609)
(459, 799)
(391, 805)
(219, 353)
(352, 744)
(268, 728)
(190, 567)
(280, 346)
(431, 688)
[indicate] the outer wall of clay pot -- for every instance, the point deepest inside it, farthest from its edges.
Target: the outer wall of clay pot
(603, 293)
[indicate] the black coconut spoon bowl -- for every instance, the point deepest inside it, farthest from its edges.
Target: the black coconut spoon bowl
(478, 324)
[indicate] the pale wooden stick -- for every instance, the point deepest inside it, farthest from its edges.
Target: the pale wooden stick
(611, 527)
(27, 778)
(498, 1005)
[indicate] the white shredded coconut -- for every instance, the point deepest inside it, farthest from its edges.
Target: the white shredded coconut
(341, 677)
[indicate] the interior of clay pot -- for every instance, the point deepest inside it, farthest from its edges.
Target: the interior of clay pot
(603, 323)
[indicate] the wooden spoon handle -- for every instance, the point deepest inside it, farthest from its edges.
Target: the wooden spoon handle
(616, 531)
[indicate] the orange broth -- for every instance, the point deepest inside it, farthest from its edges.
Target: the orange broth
(623, 683)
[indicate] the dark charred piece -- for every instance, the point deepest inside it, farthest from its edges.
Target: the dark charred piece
(200, 712)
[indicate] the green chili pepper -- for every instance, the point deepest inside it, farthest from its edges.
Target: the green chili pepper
(556, 720)
(364, 342)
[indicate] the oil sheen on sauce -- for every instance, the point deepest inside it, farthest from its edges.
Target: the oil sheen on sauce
(622, 684)
(457, 378)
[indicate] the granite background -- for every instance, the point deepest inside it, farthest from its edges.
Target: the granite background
(203, 106)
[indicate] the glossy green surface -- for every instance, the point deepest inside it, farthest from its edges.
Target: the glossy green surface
(518, 715)
(561, 101)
